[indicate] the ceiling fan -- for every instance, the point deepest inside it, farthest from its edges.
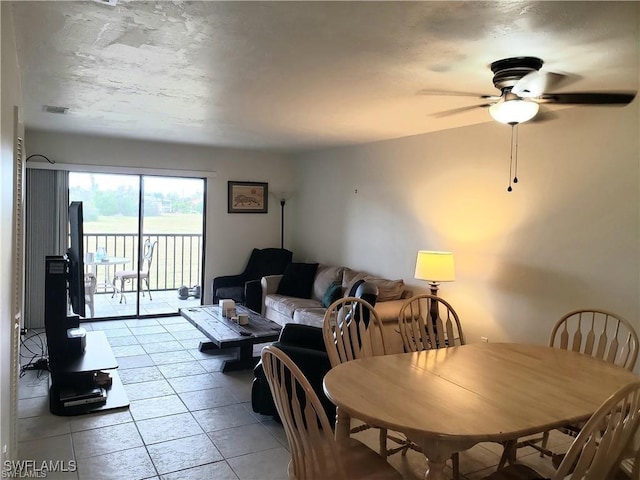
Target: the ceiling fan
(524, 87)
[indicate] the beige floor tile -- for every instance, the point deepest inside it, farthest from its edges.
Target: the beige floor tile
(171, 427)
(266, 465)
(132, 464)
(183, 453)
(237, 441)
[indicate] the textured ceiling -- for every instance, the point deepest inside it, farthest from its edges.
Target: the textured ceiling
(300, 75)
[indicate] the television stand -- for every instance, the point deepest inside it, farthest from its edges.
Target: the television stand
(78, 374)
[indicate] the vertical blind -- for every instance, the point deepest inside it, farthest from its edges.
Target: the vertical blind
(47, 201)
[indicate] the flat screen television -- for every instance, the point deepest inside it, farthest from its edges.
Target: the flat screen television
(75, 258)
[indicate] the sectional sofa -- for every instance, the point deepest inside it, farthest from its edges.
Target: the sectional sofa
(303, 293)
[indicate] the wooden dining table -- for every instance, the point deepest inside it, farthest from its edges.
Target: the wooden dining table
(447, 400)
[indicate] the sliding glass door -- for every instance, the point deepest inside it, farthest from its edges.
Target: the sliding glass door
(143, 242)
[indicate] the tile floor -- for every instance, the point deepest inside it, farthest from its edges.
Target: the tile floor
(187, 420)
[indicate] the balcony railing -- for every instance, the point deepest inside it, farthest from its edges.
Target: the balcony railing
(177, 258)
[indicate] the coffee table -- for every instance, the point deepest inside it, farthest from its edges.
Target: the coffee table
(225, 334)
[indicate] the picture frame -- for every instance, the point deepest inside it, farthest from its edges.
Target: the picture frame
(247, 197)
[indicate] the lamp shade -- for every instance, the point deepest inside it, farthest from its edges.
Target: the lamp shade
(435, 266)
(512, 112)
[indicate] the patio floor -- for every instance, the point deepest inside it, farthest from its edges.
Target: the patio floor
(163, 302)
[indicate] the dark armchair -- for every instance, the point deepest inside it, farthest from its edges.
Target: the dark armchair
(266, 261)
(304, 344)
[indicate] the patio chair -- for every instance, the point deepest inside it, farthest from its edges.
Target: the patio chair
(90, 285)
(314, 451)
(122, 276)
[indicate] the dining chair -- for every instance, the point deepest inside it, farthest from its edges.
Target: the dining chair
(314, 451)
(122, 276)
(90, 285)
(352, 329)
(426, 322)
(598, 333)
(596, 452)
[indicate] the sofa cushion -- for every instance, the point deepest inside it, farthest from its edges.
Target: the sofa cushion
(286, 305)
(310, 316)
(325, 276)
(297, 280)
(387, 289)
(333, 293)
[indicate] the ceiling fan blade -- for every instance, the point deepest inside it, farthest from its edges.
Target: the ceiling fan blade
(455, 111)
(588, 98)
(534, 84)
(456, 94)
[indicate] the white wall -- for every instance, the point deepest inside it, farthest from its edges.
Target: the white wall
(230, 237)
(11, 96)
(566, 237)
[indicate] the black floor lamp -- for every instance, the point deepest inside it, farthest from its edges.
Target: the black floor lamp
(282, 197)
(283, 202)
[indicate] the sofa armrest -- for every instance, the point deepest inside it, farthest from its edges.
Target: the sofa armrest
(253, 296)
(270, 284)
(303, 336)
(224, 282)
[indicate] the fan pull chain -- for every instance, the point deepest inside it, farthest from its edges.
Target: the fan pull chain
(515, 170)
(509, 189)
(513, 166)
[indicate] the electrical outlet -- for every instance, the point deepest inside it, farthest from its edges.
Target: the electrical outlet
(484, 339)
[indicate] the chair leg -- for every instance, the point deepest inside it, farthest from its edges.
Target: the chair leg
(508, 453)
(545, 441)
(455, 463)
(382, 436)
(146, 281)
(122, 291)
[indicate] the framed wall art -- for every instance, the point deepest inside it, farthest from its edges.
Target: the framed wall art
(247, 197)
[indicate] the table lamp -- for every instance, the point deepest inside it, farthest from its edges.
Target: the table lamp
(435, 267)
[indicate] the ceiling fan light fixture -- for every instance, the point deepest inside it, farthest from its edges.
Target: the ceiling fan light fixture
(512, 112)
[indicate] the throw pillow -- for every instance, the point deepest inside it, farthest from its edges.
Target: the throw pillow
(297, 280)
(388, 289)
(325, 276)
(333, 293)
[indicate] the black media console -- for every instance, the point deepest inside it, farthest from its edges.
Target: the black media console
(83, 377)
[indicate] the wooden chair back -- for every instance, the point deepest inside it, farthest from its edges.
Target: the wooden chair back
(596, 452)
(352, 329)
(598, 333)
(427, 321)
(314, 453)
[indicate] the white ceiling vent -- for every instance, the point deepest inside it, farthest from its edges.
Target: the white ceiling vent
(111, 3)
(55, 109)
